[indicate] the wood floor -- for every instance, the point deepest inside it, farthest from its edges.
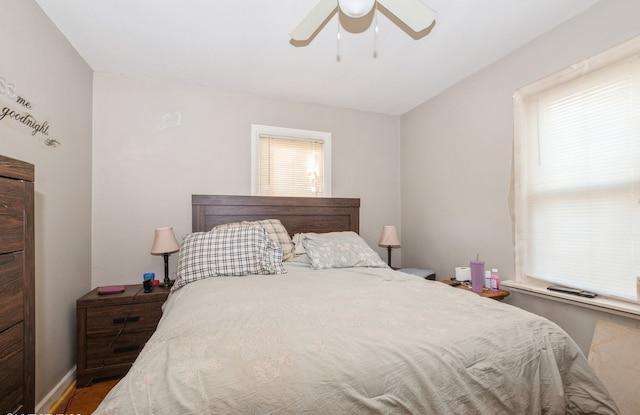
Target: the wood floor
(83, 401)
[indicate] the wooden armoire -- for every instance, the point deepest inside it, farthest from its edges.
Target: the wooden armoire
(17, 291)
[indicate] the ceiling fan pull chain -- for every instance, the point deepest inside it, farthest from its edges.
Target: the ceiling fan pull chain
(338, 42)
(375, 29)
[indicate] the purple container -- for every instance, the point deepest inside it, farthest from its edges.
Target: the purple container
(477, 275)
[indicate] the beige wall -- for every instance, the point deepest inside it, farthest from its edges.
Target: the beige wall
(456, 158)
(45, 69)
(156, 143)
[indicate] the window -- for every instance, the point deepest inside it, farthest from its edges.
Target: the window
(290, 162)
(577, 175)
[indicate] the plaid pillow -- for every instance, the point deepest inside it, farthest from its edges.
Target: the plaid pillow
(235, 251)
(276, 231)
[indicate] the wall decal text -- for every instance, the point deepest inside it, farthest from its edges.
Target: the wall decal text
(18, 114)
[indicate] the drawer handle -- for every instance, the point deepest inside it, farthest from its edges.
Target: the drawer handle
(126, 348)
(129, 319)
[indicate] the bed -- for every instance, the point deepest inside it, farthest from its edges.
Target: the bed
(333, 330)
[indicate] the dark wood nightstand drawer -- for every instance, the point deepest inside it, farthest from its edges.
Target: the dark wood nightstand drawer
(113, 328)
(105, 321)
(113, 350)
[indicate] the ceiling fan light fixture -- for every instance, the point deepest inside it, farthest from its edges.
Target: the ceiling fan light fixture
(356, 8)
(412, 14)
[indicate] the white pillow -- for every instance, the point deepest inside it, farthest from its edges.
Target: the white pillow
(340, 250)
(298, 244)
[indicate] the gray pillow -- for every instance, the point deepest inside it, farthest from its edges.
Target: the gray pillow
(340, 250)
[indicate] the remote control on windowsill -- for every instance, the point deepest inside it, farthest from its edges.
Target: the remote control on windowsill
(573, 291)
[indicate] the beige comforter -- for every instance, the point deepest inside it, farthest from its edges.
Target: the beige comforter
(352, 341)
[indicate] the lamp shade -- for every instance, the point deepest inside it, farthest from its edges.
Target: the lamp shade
(389, 237)
(164, 241)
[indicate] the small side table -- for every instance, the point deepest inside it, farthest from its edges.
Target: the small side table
(496, 295)
(112, 329)
(427, 274)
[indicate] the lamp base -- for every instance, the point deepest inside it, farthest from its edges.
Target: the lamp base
(166, 283)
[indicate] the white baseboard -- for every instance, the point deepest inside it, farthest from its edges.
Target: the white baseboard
(52, 397)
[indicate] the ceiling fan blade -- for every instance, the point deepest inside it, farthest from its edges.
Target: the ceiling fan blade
(414, 13)
(312, 21)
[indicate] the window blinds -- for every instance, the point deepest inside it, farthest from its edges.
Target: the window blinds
(290, 166)
(580, 185)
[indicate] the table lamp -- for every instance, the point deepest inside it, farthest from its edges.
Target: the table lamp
(389, 239)
(164, 243)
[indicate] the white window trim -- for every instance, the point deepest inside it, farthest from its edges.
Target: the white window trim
(257, 130)
(609, 305)
(535, 287)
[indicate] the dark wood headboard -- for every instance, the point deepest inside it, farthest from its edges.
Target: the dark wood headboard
(297, 214)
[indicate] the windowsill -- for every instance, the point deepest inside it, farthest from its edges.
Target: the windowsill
(605, 304)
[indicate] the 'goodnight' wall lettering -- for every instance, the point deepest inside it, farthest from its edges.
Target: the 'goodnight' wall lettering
(17, 114)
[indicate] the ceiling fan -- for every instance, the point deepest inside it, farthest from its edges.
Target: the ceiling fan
(413, 13)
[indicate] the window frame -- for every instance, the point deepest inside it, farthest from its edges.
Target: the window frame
(295, 134)
(522, 132)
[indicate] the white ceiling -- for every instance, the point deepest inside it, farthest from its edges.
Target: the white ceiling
(243, 46)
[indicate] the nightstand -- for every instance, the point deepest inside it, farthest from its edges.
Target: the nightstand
(496, 295)
(424, 273)
(113, 328)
